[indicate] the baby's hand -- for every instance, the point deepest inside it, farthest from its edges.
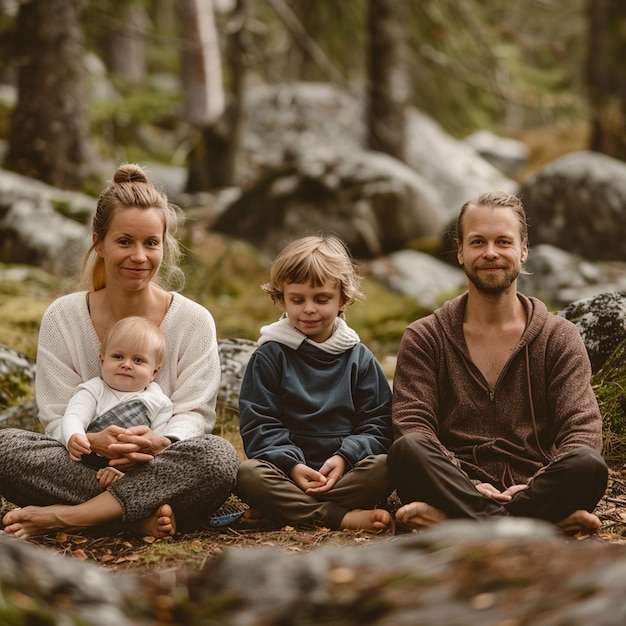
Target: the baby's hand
(77, 446)
(107, 476)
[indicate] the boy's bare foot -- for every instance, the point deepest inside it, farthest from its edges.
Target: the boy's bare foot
(580, 522)
(39, 520)
(254, 518)
(160, 524)
(367, 519)
(419, 515)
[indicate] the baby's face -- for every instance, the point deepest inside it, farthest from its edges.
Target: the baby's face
(127, 369)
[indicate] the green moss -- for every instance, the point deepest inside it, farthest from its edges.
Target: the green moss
(610, 387)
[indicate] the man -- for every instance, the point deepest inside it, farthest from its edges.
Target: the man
(493, 411)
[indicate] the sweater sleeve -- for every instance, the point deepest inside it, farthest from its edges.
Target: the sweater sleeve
(67, 355)
(577, 419)
(264, 435)
(80, 411)
(372, 421)
(190, 375)
(415, 384)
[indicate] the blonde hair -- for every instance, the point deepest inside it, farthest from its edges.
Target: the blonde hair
(315, 260)
(137, 331)
(495, 200)
(129, 189)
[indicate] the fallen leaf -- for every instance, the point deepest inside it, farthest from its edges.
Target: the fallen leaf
(80, 555)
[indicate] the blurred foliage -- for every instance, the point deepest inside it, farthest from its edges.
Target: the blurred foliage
(610, 387)
(502, 65)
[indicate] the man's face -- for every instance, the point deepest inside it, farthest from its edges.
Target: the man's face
(492, 252)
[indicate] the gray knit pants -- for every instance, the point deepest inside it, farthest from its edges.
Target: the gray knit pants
(194, 476)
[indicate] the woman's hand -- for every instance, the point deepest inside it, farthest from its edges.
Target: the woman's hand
(128, 447)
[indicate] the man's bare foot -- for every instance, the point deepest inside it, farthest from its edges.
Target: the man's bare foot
(39, 520)
(367, 519)
(254, 517)
(419, 515)
(580, 522)
(160, 524)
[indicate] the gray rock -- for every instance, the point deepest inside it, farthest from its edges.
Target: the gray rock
(576, 203)
(234, 357)
(505, 154)
(419, 275)
(374, 202)
(601, 321)
(452, 166)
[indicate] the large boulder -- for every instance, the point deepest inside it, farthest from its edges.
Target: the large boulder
(577, 203)
(452, 166)
(601, 320)
(374, 202)
(41, 225)
(303, 118)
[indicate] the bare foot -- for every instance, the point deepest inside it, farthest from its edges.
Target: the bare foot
(580, 522)
(254, 517)
(39, 520)
(420, 515)
(160, 524)
(367, 519)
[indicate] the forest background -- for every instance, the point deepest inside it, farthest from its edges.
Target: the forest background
(88, 84)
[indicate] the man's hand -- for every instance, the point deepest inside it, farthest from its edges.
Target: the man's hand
(489, 491)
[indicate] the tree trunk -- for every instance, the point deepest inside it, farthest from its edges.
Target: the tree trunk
(201, 74)
(606, 76)
(388, 84)
(125, 47)
(49, 133)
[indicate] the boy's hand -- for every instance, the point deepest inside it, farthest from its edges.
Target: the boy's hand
(333, 470)
(306, 477)
(77, 446)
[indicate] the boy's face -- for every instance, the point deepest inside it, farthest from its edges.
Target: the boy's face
(127, 369)
(313, 310)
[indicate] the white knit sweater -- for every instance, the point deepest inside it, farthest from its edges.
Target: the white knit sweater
(67, 355)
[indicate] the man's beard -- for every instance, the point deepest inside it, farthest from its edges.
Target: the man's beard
(493, 285)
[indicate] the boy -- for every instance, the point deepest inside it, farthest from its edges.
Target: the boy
(315, 405)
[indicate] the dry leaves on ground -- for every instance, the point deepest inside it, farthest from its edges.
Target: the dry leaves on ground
(124, 551)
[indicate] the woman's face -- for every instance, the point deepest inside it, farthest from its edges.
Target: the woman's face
(132, 249)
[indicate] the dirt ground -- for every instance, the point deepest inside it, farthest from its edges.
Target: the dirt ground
(129, 553)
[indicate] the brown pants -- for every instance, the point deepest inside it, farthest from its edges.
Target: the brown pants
(269, 490)
(422, 473)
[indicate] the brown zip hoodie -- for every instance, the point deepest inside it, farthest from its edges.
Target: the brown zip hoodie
(541, 407)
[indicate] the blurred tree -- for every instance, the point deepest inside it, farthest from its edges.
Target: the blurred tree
(49, 131)
(387, 79)
(205, 97)
(606, 76)
(124, 43)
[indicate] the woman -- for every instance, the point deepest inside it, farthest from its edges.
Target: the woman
(172, 480)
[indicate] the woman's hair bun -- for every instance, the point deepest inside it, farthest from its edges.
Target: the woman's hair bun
(130, 173)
